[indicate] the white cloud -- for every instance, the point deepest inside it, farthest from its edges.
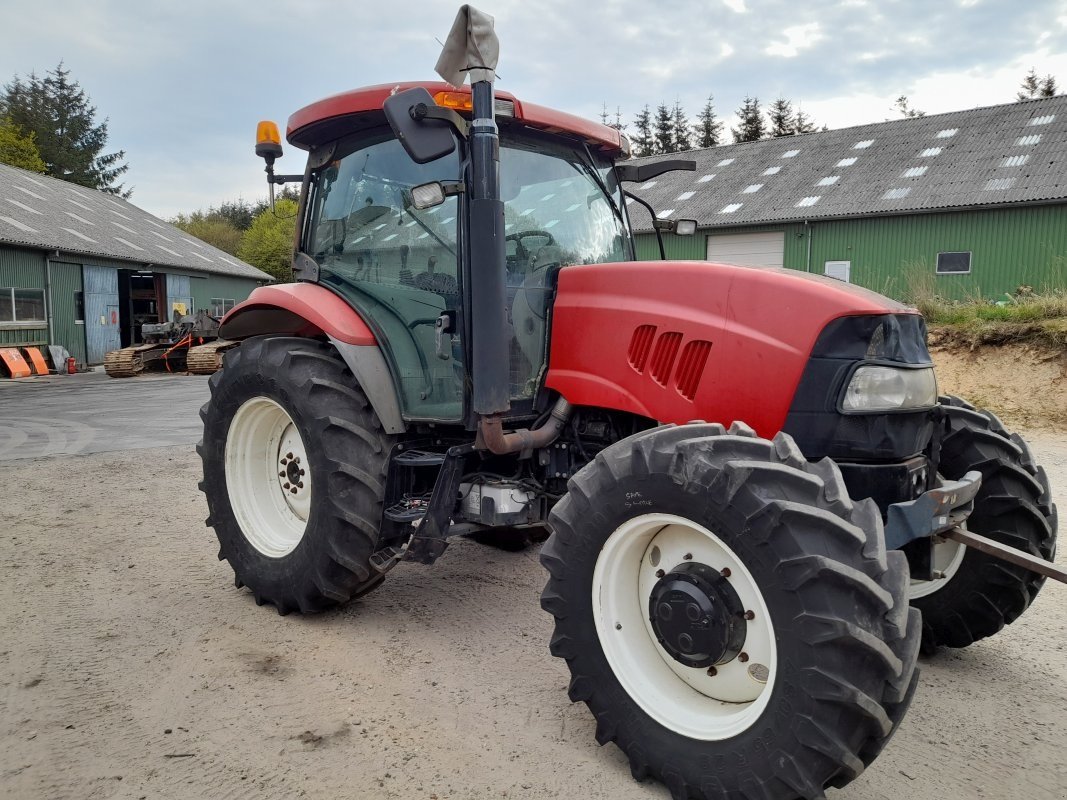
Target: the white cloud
(737, 6)
(797, 38)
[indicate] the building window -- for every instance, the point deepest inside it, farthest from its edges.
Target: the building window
(79, 308)
(220, 306)
(22, 306)
(953, 263)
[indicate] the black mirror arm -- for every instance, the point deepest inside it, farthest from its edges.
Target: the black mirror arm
(655, 227)
(421, 111)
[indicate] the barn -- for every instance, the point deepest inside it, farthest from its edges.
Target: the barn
(85, 269)
(969, 204)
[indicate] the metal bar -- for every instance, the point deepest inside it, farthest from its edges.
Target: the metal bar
(1001, 551)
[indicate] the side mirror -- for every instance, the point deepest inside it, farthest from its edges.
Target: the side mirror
(425, 134)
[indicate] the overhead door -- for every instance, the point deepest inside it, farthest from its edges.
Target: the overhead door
(748, 249)
(101, 312)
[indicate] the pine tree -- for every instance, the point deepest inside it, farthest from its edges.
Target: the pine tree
(682, 140)
(781, 118)
(708, 128)
(1034, 87)
(664, 130)
(56, 110)
(604, 114)
(750, 122)
(642, 141)
(618, 124)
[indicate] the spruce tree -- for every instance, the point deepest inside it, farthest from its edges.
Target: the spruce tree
(57, 111)
(642, 141)
(708, 128)
(664, 130)
(781, 118)
(18, 149)
(1034, 87)
(751, 127)
(682, 140)
(802, 123)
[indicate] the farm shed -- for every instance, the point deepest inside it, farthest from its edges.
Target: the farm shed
(966, 204)
(85, 269)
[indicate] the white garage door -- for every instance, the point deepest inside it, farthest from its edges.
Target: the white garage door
(748, 249)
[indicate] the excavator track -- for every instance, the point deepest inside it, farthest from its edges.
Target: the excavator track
(204, 359)
(128, 361)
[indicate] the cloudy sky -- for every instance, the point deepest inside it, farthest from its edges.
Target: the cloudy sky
(184, 83)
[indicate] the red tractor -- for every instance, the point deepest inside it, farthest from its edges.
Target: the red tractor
(759, 507)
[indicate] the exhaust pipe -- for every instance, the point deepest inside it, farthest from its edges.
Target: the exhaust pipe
(491, 434)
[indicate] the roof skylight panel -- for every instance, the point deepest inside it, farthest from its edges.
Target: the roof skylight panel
(23, 206)
(947, 133)
(897, 194)
(1045, 120)
(752, 188)
(665, 213)
(685, 195)
(790, 153)
(1028, 141)
(914, 172)
(645, 185)
(705, 178)
(1014, 161)
(998, 184)
(15, 223)
(808, 201)
(772, 171)
(730, 209)
(725, 162)
(863, 145)
(846, 162)
(930, 152)
(829, 180)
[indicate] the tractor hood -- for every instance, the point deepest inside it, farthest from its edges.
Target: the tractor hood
(682, 340)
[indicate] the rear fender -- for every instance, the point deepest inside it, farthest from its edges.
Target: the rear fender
(310, 310)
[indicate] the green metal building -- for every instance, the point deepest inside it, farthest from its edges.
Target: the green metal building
(963, 205)
(84, 269)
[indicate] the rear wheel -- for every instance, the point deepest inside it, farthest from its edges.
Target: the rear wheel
(980, 594)
(729, 616)
(294, 472)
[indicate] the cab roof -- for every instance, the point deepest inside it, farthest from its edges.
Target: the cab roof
(371, 99)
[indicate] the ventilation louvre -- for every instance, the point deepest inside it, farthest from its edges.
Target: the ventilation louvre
(641, 346)
(663, 356)
(691, 367)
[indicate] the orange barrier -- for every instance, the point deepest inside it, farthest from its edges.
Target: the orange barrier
(40, 366)
(14, 363)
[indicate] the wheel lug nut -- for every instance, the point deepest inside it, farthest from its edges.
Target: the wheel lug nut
(281, 474)
(725, 572)
(687, 557)
(750, 615)
(618, 626)
(286, 486)
(742, 657)
(301, 473)
(712, 672)
(660, 573)
(293, 490)
(288, 455)
(301, 486)
(297, 459)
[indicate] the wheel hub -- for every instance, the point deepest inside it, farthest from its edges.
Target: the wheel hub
(697, 616)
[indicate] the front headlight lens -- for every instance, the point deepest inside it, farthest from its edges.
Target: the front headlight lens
(878, 388)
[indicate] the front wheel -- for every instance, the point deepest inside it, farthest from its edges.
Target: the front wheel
(979, 594)
(729, 616)
(294, 473)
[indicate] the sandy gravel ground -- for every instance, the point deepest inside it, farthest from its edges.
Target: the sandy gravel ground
(130, 667)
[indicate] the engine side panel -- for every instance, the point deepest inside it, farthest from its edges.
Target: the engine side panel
(678, 340)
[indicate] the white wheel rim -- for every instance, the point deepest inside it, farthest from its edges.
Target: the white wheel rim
(947, 557)
(687, 700)
(268, 478)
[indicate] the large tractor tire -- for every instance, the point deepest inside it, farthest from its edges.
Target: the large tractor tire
(981, 594)
(729, 616)
(294, 473)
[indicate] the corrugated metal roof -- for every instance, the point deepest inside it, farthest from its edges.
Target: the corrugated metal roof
(1015, 153)
(45, 212)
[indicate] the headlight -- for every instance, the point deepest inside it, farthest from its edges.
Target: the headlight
(878, 388)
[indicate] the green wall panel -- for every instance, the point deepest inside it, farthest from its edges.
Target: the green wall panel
(23, 269)
(23, 336)
(220, 286)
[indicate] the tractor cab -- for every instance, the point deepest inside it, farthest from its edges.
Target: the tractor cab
(387, 234)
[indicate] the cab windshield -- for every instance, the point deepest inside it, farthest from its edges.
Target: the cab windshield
(400, 266)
